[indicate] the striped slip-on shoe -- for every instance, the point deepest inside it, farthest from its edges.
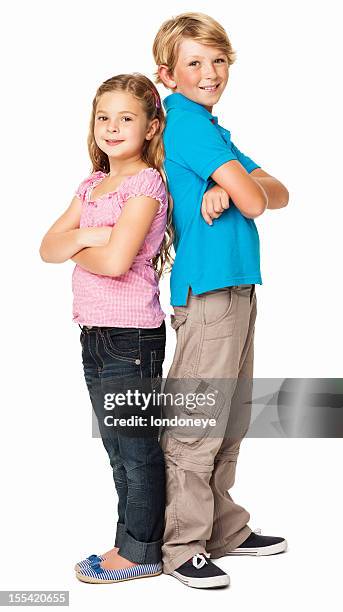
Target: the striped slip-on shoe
(88, 562)
(95, 574)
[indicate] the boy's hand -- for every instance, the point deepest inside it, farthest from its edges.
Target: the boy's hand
(95, 236)
(214, 202)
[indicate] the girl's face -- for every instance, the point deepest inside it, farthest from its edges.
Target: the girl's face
(201, 72)
(121, 126)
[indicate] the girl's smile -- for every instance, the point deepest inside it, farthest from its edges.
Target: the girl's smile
(113, 143)
(121, 123)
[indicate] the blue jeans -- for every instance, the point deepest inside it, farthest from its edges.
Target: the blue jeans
(117, 360)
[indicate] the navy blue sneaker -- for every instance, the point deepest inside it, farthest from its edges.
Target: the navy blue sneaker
(258, 545)
(200, 573)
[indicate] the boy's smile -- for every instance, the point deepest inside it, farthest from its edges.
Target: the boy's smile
(201, 73)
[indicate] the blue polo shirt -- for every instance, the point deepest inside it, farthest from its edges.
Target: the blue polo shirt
(207, 257)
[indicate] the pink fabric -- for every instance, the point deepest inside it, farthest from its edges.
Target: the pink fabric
(132, 299)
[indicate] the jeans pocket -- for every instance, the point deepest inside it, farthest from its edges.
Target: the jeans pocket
(123, 344)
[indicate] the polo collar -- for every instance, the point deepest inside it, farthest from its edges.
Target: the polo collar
(178, 100)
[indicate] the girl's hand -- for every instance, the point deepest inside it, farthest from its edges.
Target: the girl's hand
(214, 202)
(95, 236)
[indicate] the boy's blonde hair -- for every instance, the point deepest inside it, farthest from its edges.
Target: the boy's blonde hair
(197, 26)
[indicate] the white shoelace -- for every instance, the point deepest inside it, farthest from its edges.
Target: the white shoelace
(199, 560)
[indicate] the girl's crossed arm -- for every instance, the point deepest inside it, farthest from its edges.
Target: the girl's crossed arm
(65, 237)
(127, 236)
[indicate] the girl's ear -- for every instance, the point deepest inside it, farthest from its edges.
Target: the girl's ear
(166, 76)
(153, 128)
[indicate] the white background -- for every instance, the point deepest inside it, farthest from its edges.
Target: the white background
(282, 107)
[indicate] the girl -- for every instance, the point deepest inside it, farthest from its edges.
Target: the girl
(117, 230)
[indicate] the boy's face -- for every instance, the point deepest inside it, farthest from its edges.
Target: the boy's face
(201, 73)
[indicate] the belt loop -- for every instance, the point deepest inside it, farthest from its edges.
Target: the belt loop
(252, 292)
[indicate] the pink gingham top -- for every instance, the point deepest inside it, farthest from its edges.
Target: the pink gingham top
(132, 299)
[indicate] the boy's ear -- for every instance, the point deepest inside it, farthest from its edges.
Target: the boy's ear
(166, 77)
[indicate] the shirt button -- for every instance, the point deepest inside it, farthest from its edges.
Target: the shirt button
(137, 361)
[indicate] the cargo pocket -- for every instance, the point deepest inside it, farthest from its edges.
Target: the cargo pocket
(193, 409)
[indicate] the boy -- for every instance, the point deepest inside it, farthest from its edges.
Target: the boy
(213, 294)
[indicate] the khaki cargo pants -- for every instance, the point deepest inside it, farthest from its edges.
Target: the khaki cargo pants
(214, 350)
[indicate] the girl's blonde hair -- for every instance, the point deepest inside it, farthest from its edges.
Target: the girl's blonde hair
(197, 26)
(145, 91)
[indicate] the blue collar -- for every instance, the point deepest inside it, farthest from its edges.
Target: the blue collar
(178, 100)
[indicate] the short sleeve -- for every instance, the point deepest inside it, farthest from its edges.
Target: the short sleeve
(194, 142)
(149, 182)
(84, 187)
(246, 161)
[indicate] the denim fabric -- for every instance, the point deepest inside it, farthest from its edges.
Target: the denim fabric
(116, 360)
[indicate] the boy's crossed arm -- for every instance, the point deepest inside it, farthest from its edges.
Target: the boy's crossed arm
(278, 195)
(231, 182)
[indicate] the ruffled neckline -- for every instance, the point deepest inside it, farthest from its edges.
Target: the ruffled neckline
(100, 174)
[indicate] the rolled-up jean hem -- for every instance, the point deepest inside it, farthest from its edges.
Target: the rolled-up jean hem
(140, 552)
(235, 541)
(187, 552)
(119, 535)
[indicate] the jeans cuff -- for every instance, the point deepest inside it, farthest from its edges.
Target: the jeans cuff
(140, 552)
(119, 535)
